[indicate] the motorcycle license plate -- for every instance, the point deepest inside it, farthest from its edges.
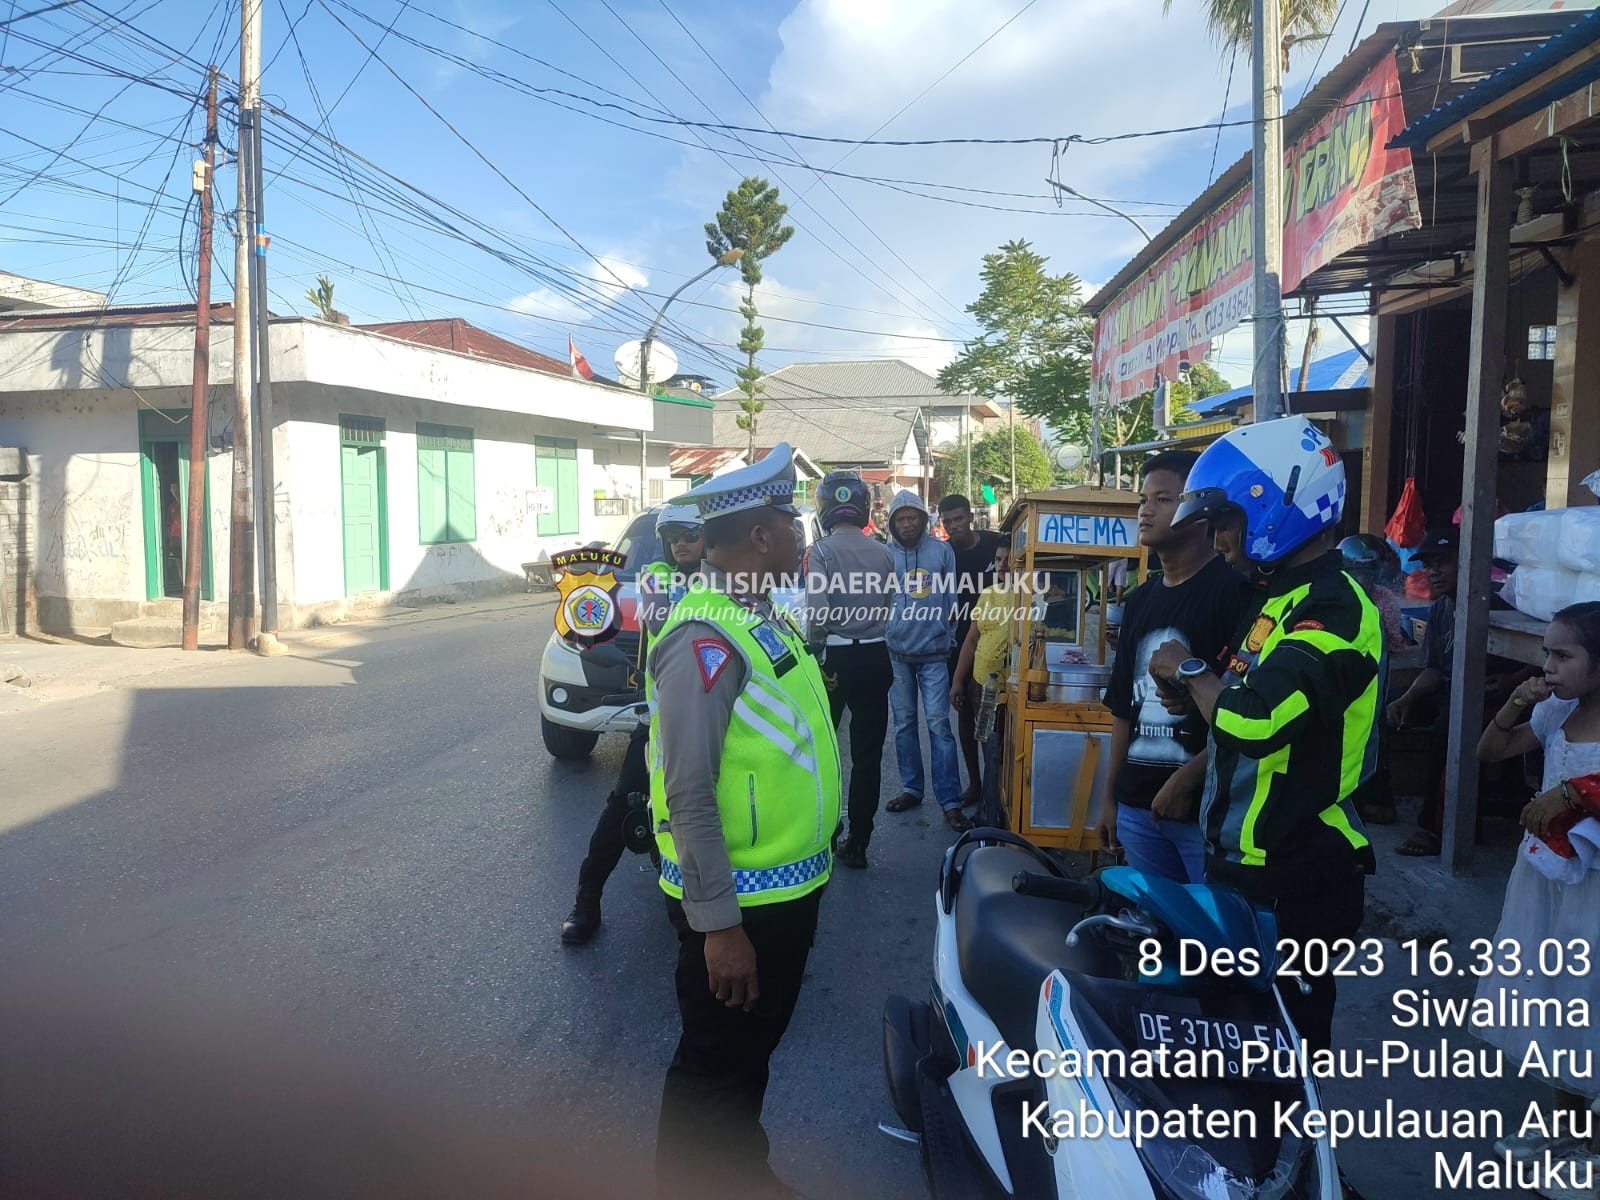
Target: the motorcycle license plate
(1223, 1037)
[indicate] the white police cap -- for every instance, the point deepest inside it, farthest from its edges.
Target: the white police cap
(765, 484)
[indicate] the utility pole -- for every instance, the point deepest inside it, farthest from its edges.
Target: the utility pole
(266, 489)
(1011, 408)
(1266, 173)
(966, 442)
(199, 418)
(1311, 345)
(242, 532)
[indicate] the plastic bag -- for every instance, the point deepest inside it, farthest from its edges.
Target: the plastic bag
(1578, 547)
(1530, 539)
(1418, 587)
(1408, 524)
(1541, 592)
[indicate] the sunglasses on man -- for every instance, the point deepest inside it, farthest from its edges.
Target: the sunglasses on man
(679, 533)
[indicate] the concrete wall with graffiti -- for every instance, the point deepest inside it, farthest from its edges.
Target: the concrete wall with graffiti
(83, 470)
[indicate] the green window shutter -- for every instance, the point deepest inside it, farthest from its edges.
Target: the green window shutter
(567, 495)
(462, 494)
(555, 466)
(544, 475)
(446, 489)
(433, 506)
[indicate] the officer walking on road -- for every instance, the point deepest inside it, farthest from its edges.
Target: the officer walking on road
(678, 527)
(847, 602)
(744, 796)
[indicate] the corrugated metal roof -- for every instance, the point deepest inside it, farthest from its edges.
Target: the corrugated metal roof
(696, 461)
(1584, 33)
(132, 314)
(882, 382)
(453, 333)
(843, 434)
(1346, 370)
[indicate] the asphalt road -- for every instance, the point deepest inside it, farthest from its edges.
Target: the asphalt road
(302, 914)
(353, 862)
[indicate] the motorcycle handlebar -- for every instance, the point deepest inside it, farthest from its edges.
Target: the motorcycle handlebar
(1075, 891)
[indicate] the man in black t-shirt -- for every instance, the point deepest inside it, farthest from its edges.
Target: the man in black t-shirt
(1157, 758)
(974, 550)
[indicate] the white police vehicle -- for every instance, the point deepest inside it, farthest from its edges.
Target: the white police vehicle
(584, 693)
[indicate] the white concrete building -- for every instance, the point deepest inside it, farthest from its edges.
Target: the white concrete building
(403, 471)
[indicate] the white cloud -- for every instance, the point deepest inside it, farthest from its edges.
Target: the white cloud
(598, 284)
(1089, 67)
(798, 328)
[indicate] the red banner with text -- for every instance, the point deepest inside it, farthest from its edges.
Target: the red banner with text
(1342, 188)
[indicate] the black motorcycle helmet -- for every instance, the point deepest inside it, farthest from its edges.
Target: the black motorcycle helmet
(842, 497)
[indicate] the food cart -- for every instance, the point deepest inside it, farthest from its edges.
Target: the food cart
(1058, 733)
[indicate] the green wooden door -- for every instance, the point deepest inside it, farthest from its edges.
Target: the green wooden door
(365, 552)
(163, 462)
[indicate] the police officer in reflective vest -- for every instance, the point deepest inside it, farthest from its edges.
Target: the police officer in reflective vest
(678, 527)
(744, 794)
(1294, 723)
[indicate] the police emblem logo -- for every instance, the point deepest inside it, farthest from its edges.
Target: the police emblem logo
(588, 612)
(713, 655)
(771, 641)
(1259, 633)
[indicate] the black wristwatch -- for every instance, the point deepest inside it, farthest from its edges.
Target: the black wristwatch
(1190, 668)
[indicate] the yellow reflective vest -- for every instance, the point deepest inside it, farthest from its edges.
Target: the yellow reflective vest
(778, 784)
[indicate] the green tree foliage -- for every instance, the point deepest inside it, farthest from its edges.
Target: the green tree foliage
(1133, 423)
(1036, 340)
(751, 220)
(991, 464)
(1303, 21)
(321, 298)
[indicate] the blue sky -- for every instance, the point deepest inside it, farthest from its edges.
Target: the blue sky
(872, 271)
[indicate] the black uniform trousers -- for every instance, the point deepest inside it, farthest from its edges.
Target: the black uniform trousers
(710, 1141)
(865, 676)
(606, 844)
(1325, 915)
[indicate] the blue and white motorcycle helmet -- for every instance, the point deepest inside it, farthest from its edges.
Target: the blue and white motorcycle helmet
(1283, 477)
(676, 518)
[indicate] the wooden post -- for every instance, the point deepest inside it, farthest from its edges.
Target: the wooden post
(1491, 269)
(1575, 394)
(1380, 415)
(199, 420)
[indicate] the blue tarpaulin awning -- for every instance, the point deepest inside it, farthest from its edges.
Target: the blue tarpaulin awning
(1346, 370)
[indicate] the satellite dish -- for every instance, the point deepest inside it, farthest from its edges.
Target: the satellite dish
(663, 362)
(1069, 458)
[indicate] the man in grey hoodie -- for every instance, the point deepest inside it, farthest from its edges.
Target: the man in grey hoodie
(920, 633)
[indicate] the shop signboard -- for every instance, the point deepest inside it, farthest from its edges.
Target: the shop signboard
(1087, 529)
(1342, 188)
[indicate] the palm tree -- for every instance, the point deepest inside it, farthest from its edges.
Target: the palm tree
(1303, 21)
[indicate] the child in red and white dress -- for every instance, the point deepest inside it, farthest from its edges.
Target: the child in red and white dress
(1553, 895)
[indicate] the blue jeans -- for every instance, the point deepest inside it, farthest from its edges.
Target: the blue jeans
(932, 680)
(1176, 849)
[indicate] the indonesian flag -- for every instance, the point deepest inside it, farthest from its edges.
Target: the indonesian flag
(580, 364)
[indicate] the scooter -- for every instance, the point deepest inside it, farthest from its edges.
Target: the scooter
(1123, 966)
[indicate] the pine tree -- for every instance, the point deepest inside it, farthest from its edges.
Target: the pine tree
(751, 220)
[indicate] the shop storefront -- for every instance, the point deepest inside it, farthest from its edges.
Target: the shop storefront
(1482, 386)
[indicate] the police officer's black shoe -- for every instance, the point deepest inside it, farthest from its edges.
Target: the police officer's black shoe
(582, 921)
(853, 855)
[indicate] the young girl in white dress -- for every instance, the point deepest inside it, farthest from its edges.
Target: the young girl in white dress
(1561, 713)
